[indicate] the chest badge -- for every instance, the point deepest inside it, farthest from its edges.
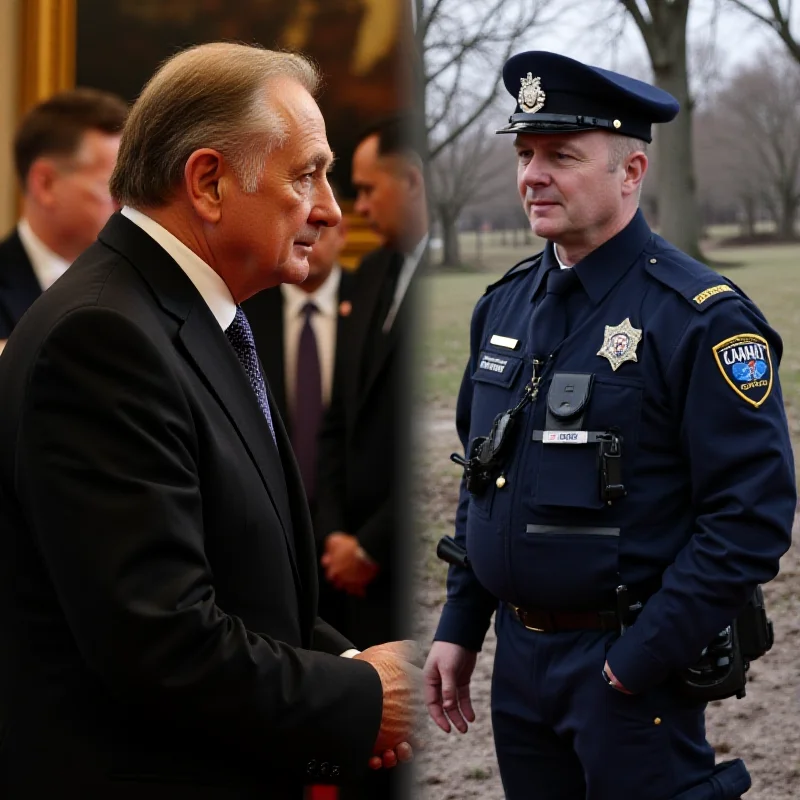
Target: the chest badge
(620, 343)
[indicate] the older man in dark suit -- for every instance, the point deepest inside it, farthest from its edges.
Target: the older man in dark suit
(158, 582)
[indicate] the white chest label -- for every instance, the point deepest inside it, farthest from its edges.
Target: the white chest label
(565, 437)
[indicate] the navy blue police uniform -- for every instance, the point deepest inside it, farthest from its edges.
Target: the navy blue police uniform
(672, 365)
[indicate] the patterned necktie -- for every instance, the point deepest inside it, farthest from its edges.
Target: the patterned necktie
(549, 320)
(307, 402)
(241, 338)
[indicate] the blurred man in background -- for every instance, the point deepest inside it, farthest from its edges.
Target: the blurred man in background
(363, 465)
(296, 328)
(65, 150)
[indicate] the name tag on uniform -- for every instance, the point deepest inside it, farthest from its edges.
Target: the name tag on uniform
(565, 437)
(504, 341)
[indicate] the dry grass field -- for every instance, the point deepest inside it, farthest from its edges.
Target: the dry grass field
(762, 728)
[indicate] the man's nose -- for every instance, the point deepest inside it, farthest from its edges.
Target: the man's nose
(326, 211)
(535, 173)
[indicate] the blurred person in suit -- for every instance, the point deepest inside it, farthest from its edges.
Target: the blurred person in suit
(157, 574)
(64, 152)
(296, 328)
(364, 465)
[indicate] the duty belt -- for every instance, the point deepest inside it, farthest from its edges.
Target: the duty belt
(541, 621)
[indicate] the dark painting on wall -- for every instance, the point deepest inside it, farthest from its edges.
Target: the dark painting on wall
(363, 48)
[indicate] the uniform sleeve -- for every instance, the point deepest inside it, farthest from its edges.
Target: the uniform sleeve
(734, 436)
(469, 607)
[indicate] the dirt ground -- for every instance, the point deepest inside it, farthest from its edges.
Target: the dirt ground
(762, 728)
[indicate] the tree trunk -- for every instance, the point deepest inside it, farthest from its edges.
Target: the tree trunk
(749, 207)
(788, 210)
(665, 37)
(451, 256)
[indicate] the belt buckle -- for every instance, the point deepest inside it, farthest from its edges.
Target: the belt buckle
(520, 617)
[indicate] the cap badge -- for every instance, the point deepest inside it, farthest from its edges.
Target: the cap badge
(620, 343)
(531, 96)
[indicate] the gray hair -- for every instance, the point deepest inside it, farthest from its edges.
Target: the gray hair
(207, 96)
(620, 147)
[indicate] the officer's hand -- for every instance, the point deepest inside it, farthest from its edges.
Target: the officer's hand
(612, 679)
(446, 677)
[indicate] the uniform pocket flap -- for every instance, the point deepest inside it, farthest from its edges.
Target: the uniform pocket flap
(497, 368)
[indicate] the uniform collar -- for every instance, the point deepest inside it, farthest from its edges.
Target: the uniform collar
(603, 267)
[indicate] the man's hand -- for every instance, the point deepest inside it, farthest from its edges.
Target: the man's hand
(346, 564)
(446, 677)
(398, 679)
(612, 679)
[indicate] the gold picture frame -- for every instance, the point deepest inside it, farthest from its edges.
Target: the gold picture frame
(47, 49)
(48, 64)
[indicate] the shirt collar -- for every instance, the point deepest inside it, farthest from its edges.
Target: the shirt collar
(208, 283)
(599, 271)
(47, 266)
(324, 297)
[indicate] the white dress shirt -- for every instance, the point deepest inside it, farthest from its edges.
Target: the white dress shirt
(561, 264)
(48, 266)
(410, 264)
(208, 283)
(324, 324)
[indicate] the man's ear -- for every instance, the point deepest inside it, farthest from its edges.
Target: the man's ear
(635, 170)
(416, 180)
(205, 176)
(39, 182)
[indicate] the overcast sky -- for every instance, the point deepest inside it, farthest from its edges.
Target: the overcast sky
(736, 37)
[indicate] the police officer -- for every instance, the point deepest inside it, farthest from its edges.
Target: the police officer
(632, 477)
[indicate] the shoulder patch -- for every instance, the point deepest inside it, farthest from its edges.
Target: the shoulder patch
(699, 285)
(706, 293)
(521, 268)
(746, 364)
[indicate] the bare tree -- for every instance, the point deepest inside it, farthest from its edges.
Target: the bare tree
(462, 48)
(775, 14)
(662, 24)
(463, 174)
(762, 106)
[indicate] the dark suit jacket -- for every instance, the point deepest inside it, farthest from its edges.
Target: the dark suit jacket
(158, 576)
(363, 485)
(18, 284)
(265, 314)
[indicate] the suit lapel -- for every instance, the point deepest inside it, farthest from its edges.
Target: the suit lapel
(18, 285)
(388, 341)
(265, 313)
(366, 296)
(212, 356)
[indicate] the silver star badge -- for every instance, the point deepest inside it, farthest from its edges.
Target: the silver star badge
(620, 343)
